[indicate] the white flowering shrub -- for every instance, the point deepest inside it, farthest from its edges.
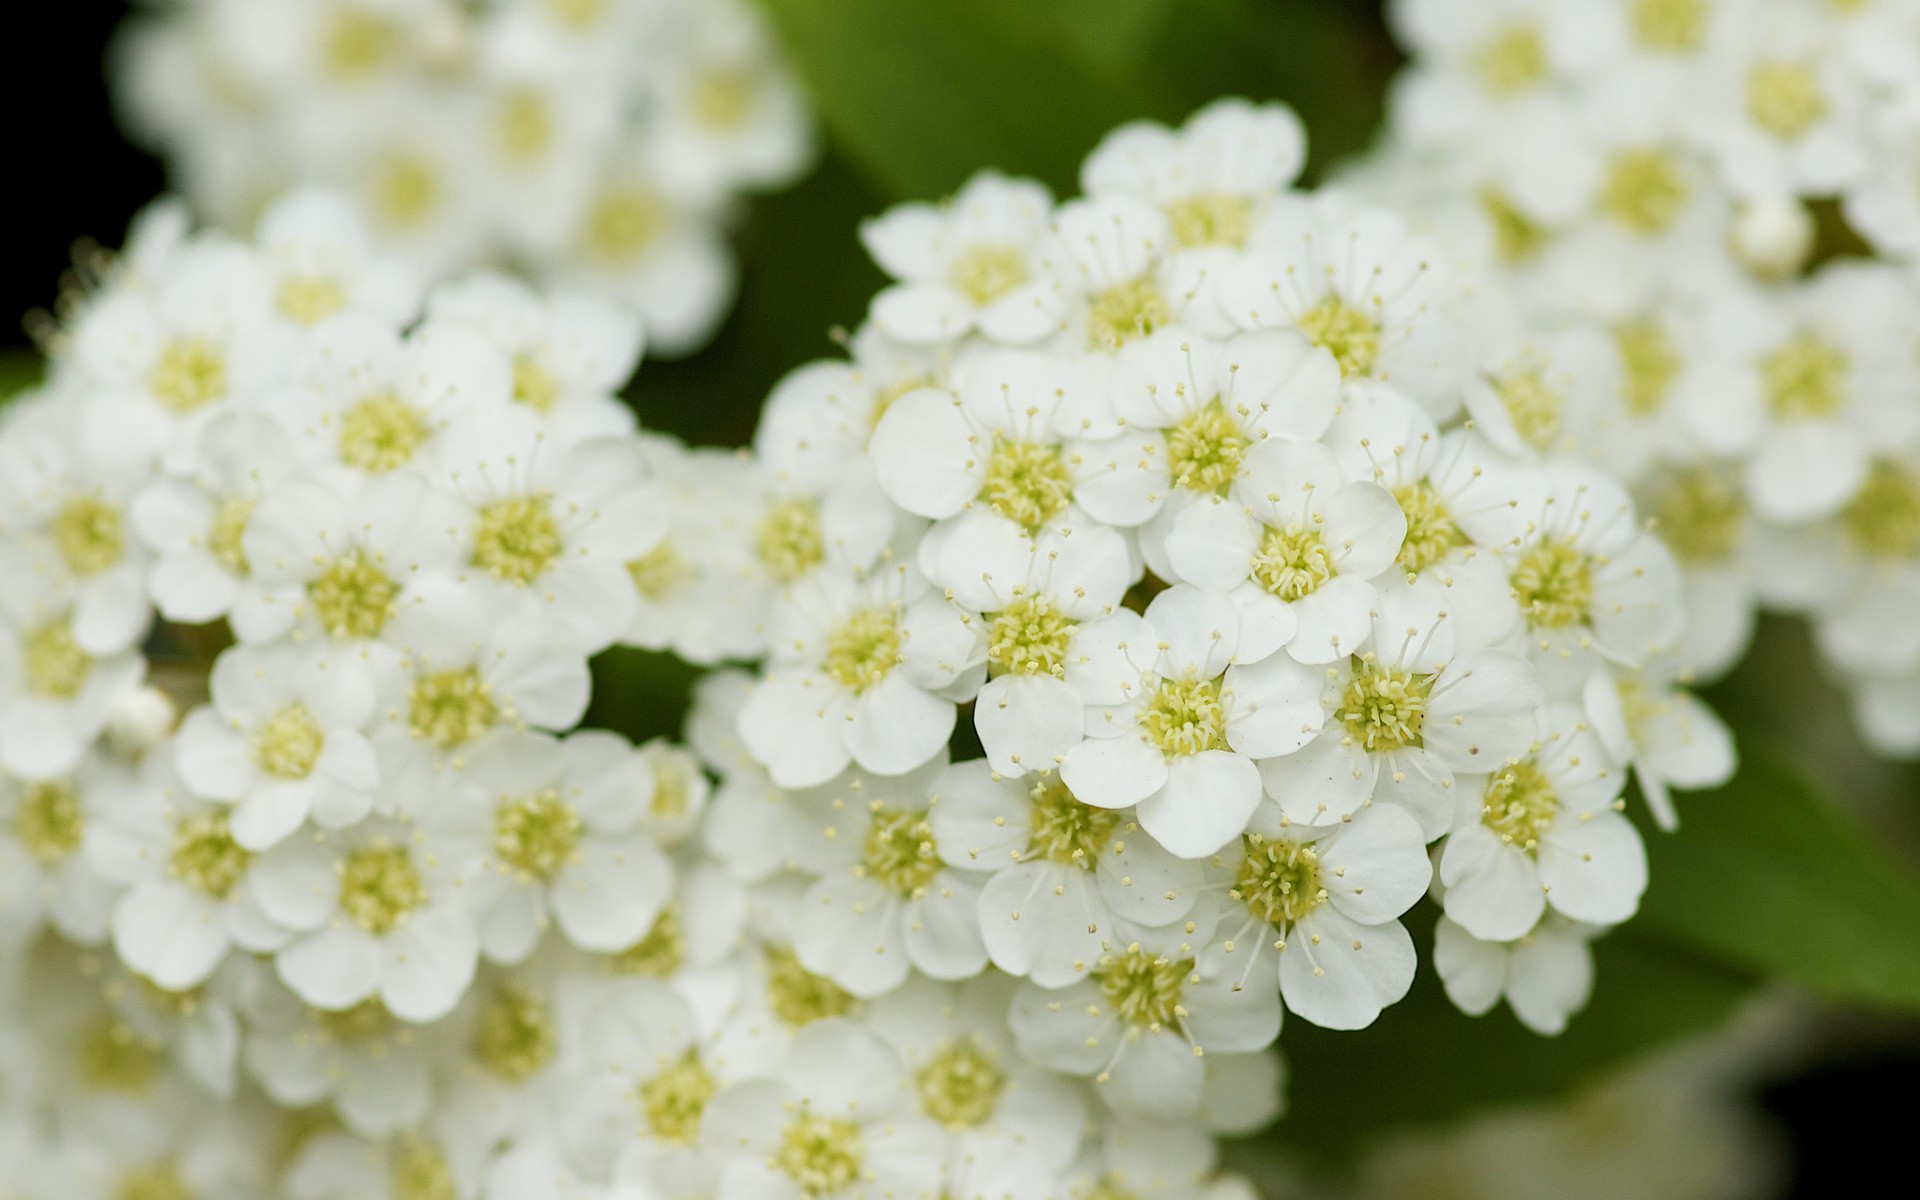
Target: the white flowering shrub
(602, 144)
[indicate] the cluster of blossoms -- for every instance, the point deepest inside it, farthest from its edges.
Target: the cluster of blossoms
(596, 143)
(310, 886)
(1697, 221)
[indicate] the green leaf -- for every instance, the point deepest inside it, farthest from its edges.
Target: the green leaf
(1424, 1061)
(1774, 875)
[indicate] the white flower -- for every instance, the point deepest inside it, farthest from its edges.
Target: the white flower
(48, 873)
(1064, 872)
(728, 113)
(1546, 975)
(553, 833)
(1544, 830)
(864, 670)
(1181, 745)
(376, 912)
(1151, 1159)
(1671, 739)
(1296, 546)
(1140, 1022)
(817, 421)
(1538, 397)
(321, 262)
(375, 1070)
(283, 742)
(972, 261)
(1327, 900)
(1397, 719)
(55, 698)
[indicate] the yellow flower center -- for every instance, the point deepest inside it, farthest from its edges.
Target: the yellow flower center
(1384, 707)
(190, 373)
(310, 299)
(799, 997)
(960, 1086)
(789, 540)
(1124, 312)
(534, 385)
(160, 1181)
(1143, 988)
(517, 539)
(899, 852)
(406, 191)
(380, 887)
(1883, 518)
(1700, 515)
(1517, 238)
(1784, 98)
(660, 953)
(1279, 881)
(672, 1102)
(48, 820)
(1511, 62)
(1805, 379)
(863, 648)
(820, 1154)
(359, 1025)
(205, 856)
(113, 1057)
(1554, 584)
(722, 99)
(1204, 449)
(357, 43)
(1026, 482)
(515, 1037)
(1211, 219)
(1645, 190)
(1030, 637)
(1431, 532)
(53, 663)
(1350, 335)
(535, 836)
(87, 533)
(523, 124)
(451, 708)
(1520, 805)
(987, 271)
(287, 744)
(579, 14)
(1186, 716)
(418, 1171)
(1062, 829)
(659, 572)
(226, 540)
(1292, 563)
(381, 433)
(1669, 26)
(1651, 363)
(353, 598)
(624, 224)
(1534, 406)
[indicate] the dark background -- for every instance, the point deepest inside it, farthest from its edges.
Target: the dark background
(74, 177)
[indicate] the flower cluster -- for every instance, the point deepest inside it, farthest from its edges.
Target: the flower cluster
(310, 886)
(1697, 221)
(597, 143)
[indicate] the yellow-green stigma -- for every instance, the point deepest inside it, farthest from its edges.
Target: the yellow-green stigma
(987, 271)
(1211, 219)
(287, 744)
(406, 191)
(1291, 563)
(451, 708)
(53, 663)
(672, 1102)
(1883, 519)
(1384, 707)
(533, 385)
(160, 1181)
(899, 852)
(535, 836)
(1511, 62)
(820, 1154)
(1062, 829)
(789, 540)
(113, 1057)
(658, 572)
(87, 532)
(205, 856)
(48, 820)
(310, 299)
(515, 1036)
(1669, 26)
(380, 887)
(381, 434)
(1279, 881)
(226, 539)
(660, 953)
(624, 224)
(1350, 335)
(1645, 190)
(1651, 363)
(1125, 312)
(1784, 98)
(352, 597)
(799, 997)
(1805, 379)
(417, 1170)
(1554, 585)
(1534, 405)
(1030, 637)
(1026, 482)
(1186, 716)
(1700, 515)
(1144, 989)
(1431, 531)
(1204, 449)
(1520, 805)
(960, 1086)
(190, 373)
(516, 539)
(863, 648)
